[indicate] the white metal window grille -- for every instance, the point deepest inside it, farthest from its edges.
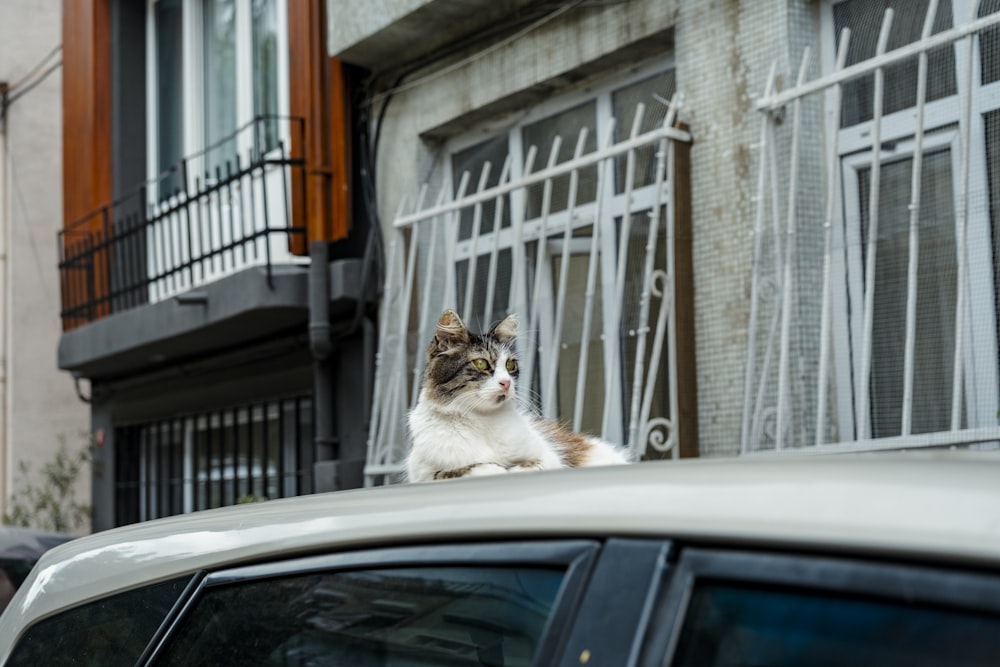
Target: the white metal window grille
(578, 241)
(873, 321)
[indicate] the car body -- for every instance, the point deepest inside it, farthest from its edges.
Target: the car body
(886, 559)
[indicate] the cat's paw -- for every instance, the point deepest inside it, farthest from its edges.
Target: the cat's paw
(525, 466)
(483, 469)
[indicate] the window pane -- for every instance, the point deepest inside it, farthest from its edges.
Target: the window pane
(481, 287)
(388, 617)
(864, 18)
(989, 44)
(651, 92)
(265, 71)
(734, 625)
(169, 93)
(935, 331)
(472, 160)
(541, 135)
(220, 83)
(993, 174)
(109, 632)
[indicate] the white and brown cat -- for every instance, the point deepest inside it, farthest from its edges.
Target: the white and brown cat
(467, 421)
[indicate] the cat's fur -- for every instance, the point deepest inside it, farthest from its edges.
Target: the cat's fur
(467, 421)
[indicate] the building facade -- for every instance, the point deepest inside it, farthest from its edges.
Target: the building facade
(216, 274)
(726, 228)
(39, 405)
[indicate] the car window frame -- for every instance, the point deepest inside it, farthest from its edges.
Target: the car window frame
(576, 556)
(954, 587)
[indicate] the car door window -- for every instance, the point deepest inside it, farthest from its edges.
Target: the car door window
(108, 632)
(732, 608)
(485, 615)
(729, 624)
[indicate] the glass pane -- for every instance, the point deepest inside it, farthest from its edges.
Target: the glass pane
(220, 83)
(573, 345)
(864, 18)
(265, 72)
(479, 317)
(650, 92)
(935, 331)
(993, 174)
(989, 44)
(733, 625)
(388, 617)
(109, 632)
(541, 135)
(169, 94)
(472, 160)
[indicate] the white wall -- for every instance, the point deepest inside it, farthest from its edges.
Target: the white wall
(41, 403)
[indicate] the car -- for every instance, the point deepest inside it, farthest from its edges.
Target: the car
(885, 559)
(20, 549)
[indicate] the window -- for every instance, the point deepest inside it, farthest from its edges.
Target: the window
(218, 141)
(487, 604)
(111, 631)
(405, 616)
(732, 608)
(736, 624)
(214, 458)
(890, 411)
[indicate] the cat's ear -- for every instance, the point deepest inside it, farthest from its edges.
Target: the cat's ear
(506, 330)
(450, 331)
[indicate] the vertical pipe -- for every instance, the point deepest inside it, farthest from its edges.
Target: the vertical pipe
(758, 260)
(833, 172)
(961, 226)
(912, 275)
(863, 411)
(786, 302)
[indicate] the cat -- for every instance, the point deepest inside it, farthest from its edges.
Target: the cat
(467, 422)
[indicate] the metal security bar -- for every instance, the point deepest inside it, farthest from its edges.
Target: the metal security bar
(582, 251)
(900, 348)
(244, 453)
(211, 215)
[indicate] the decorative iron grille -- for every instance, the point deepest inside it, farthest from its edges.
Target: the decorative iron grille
(211, 215)
(582, 250)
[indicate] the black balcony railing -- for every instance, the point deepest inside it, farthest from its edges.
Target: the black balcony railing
(206, 217)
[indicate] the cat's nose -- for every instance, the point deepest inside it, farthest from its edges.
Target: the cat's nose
(504, 383)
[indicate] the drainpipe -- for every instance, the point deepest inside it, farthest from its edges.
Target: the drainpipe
(5, 231)
(321, 344)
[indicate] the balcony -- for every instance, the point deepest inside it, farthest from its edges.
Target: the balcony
(217, 212)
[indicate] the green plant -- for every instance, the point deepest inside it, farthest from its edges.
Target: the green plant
(50, 503)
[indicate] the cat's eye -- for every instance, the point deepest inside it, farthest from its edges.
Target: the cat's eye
(481, 364)
(511, 365)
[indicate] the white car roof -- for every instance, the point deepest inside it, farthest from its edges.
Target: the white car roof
(944, 507)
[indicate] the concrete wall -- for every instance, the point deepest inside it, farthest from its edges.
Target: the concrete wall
(41, 403)
(722, 49)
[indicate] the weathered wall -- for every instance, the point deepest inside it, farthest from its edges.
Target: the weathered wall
(42, 405)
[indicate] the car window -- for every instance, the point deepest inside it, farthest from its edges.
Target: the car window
(737, 624)
(487, 615)
(109, 632)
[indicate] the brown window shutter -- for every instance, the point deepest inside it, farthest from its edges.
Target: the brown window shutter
(319, 94)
